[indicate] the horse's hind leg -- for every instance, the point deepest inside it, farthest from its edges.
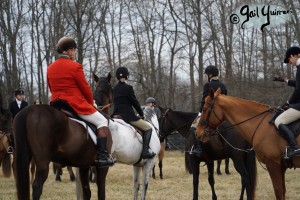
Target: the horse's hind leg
(136, 181)
(219, 167)
(227, 166)
(41, 175)
(71, 173)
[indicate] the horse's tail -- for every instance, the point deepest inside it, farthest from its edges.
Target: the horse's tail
(251, 168)
(22, 155)
(6, 165)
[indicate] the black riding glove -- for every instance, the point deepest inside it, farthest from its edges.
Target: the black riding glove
(285, 106)
(278, 78)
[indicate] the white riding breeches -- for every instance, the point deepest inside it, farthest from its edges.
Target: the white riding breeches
(96, 118)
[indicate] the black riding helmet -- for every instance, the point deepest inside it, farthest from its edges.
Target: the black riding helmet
(122, 72)
(19, 91)
(291, 52)
(211, 70)
(65, 43)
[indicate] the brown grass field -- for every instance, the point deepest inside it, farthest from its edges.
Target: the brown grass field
(177, 184)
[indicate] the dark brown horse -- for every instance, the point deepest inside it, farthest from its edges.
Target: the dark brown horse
(45, 134)
(226, 145)
(251, 119)
(5, 131)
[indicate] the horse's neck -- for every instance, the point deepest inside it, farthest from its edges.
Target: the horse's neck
(246, 116)
(183, 121)
(237, 110)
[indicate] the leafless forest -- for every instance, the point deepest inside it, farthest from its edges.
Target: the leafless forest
(166, 44)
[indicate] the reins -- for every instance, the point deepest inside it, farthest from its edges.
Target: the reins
(101, 108)
(218, 130)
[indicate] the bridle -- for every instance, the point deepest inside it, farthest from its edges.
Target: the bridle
(161, 123)
(217, 130)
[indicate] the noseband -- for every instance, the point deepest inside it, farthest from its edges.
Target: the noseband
(161, 123)
(206, 121)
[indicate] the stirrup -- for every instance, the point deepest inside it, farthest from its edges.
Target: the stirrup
(291, 153)
(110, 161)
(148, 155)
(10, 150)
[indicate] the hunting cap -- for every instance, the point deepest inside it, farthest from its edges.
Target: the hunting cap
(151, 100)
(19, 91)
(213, 70)
(122, 72)
(291, 51)
(65, 43)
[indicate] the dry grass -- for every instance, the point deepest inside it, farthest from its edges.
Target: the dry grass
(177, 184)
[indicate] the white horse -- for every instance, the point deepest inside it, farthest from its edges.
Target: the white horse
(127, 148)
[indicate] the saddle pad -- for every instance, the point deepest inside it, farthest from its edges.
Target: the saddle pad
(89, 130)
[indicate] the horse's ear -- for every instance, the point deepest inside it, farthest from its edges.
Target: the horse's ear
(108, 77)
(161, 109)
(96, 78)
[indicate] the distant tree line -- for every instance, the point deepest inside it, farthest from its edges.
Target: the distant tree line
(166, 44)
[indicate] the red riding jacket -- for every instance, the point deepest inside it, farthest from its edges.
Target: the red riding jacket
(67, 82)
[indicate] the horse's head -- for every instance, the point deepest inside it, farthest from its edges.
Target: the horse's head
(211, 117)
(164, 120)
(103, 91)
(5, 121)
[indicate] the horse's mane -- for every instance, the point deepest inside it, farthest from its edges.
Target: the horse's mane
(149, 113)
(232, 98)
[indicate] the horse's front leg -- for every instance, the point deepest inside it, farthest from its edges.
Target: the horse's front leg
(227, 166)
(146, 174)
(211, 179)
(136, 181)
(101, 179)
(85, 185)
(277, 174)
(40, 177)
(194, 163)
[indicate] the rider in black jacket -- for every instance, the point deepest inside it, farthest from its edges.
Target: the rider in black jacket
(124, 101)
(212, 73)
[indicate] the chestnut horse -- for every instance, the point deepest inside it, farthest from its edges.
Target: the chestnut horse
(227, 145)
(5, 130)
(250, 118)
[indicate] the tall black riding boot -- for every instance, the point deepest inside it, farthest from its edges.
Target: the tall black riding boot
(10, 148)
(197, 147)
(146, 153)
(288, 135)
(103, 159)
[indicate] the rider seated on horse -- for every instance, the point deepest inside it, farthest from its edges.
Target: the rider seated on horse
(67, 82)
(212, 73)
(151, 102)
(292, 56)
(124, 101)
(16, 106)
